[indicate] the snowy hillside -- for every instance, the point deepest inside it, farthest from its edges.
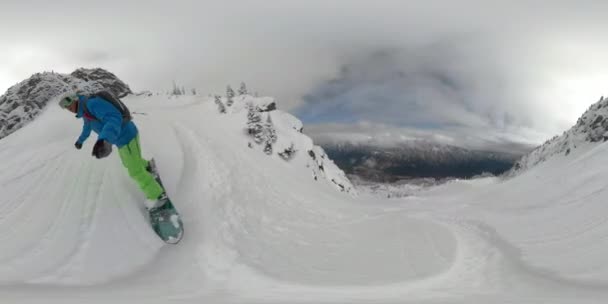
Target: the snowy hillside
(261, 229)
(24, 101)
(590, 129)
(279, 135)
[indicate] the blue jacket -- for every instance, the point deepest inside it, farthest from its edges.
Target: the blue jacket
(107, 122)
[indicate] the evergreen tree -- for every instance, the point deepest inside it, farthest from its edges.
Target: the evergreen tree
(252, 114)
(243, 89)
(288, 153)
(268, 148)
(263, 132)
(229, 92)
(269, 135)
(176, 90)
(229, 95)
(220, 104)
(254, 123)
(193, 91)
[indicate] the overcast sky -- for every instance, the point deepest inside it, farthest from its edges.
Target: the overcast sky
(469, 72)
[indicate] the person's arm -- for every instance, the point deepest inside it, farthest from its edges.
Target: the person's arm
(86, 131)
(110, 116)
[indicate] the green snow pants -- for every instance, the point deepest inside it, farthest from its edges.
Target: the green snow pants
(130, 155)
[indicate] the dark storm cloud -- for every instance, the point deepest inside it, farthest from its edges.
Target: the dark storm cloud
(431, 88)
(406, 89)
(500, 66)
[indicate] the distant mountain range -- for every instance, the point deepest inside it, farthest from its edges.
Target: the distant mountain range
(417, 159)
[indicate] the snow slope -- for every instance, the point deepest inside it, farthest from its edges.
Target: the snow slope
(591, 128)
(260, 230)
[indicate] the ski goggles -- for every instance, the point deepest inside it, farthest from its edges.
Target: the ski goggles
(66, 102)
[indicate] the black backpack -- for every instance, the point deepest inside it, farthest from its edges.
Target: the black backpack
(109, 97)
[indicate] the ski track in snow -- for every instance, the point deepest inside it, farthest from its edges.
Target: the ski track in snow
(257, 230)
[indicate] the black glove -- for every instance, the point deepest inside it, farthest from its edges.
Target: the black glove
(102, 149)
(78, 145)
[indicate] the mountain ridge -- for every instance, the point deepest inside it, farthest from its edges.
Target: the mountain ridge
(24, 101)
(590, 129)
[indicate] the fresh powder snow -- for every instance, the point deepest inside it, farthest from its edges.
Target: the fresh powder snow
(285, 228)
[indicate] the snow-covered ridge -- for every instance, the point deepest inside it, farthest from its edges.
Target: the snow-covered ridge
(279, 134)
(24, 101)
(591, 128)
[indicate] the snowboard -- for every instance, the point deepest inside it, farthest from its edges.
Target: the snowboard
(165, 219)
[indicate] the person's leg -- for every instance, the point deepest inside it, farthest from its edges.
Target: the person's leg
(130, 156)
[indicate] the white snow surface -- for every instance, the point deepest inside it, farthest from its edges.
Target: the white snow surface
(259, 229)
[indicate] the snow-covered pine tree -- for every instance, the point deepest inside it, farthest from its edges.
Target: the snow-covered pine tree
(176, 90)
(262, 131)
(243, 89)
(229, 95)
(254, 123)
(268, 148)
(253, 116)
(193, 91)
(270, 135)
(220, 104)
(270, 131)
(288, 153)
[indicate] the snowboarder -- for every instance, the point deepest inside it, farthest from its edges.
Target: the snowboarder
(111, 120)
(114, 127)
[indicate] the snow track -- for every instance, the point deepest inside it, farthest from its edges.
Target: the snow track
(258, 229)
(62, 212)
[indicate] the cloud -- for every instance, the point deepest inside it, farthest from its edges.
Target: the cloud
(431, 89)
(492, 65)
(390, 136)
(417, 88)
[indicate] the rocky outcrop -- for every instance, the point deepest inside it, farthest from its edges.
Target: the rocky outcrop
(104, 80)
(24, 101)
(590, 128)
(279, 135)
